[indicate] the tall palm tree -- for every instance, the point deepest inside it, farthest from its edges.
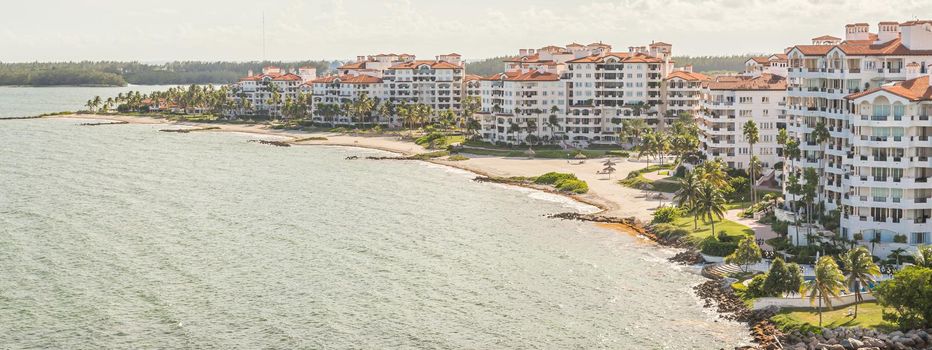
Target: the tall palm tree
(827, 284)
(924, 256)
(632, 129)
(858, 265)
(821, 135)
(710, 204)
(751, 136)
(687, 195)
(553, 122)
(782, 138)
(713, 172)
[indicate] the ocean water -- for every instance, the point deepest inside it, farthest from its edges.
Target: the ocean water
(124, 237)
(29, 101)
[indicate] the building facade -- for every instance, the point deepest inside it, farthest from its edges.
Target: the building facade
(866, 160)
(728, 103)
(254, 93)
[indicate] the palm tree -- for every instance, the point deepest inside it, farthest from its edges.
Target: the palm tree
(827, 283)
(859, 267)
(688, 194)
(648, 145)
(924, 256)
(821, 135)
(710, 204)
(751, 136)
(809, 196)
(632, 129)
(713, 172)
(553, 122)
(782, 138)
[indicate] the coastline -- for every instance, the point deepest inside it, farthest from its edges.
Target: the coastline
(612, 199)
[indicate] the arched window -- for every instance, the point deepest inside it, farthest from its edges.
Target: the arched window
(881, 107)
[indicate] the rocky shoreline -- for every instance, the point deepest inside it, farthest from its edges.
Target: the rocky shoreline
(858, 338)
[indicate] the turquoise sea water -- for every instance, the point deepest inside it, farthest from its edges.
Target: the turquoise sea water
(124, 237)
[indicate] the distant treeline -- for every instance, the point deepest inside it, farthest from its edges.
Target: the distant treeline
(121, 73)
(708, 64)
(487, 66)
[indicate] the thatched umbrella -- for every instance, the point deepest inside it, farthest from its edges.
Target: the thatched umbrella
(530, 153)
(608, 170)
(580, 155)
(608, 162)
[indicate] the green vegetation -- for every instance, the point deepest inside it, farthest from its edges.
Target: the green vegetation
(715, 64)
(563, 182)
(746, 253)
(871, 316)
(827, 284)
(457, 158)
(312, 138)
(665, 215)
(909, 295)
(120, 73)
(488, 66)
(429, 155)
(438, 140)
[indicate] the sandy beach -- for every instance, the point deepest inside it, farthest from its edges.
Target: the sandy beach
(614, 200)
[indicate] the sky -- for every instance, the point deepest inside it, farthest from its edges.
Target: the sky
(214, 30)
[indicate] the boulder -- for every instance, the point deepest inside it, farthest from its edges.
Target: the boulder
(823, 346)
(851, 343)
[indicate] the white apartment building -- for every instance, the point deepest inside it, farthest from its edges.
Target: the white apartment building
(775, 64)
(876, 159)
(399, 78)
(257, 89)
(683, 91)
(588, 87)
(517, 104)
(731, 101)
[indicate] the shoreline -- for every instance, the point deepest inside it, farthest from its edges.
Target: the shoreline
(607, 196)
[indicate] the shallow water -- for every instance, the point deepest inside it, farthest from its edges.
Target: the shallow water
(123, 237)
(28, 101)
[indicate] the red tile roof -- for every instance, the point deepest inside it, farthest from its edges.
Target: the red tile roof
(688, 76)
(621, 56)
(354, 65)
(763, 82)
(917, 89)
(348, 79)
(431, 64)
(528, 76)
(826, 37)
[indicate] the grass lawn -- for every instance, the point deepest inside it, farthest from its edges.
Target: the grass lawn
(870, 315)
(731, 228)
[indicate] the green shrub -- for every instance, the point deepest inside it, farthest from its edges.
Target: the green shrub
(427, 139)
(780, 227)
(458, 157)
(711, 246)
(756, 287)
(573, 185)
(430, 155)
(899, 239)
(552, 178)
(668, 231)
(666, 214)
(623, 154)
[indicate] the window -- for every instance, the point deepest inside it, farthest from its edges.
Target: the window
(899, 110)
(765, 99)
(745, 99)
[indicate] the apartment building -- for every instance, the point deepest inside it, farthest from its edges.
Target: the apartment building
(254, 92)
(589, 89)
(683, 91)
(399, 78)
(728, 103)
(866, 92)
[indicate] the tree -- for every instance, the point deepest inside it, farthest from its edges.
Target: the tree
(632, 129)
(782, 278)
(553, 122)
(827, 284)
(821, 135)
(751, 136)
(710, 204)
(923, 256)
(782, 138)
(713, 172)
(858, 266)
(809, 196)
(687, 195)
(747, 253)
(909, 293)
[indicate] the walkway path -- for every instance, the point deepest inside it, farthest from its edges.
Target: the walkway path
(761, 231)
